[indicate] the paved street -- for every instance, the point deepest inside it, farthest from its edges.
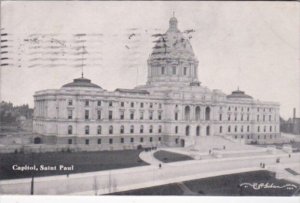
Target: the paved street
(145, 176)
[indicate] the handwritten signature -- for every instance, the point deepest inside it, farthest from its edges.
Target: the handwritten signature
(258, 186)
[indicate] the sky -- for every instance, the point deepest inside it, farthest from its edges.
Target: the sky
(250, 45)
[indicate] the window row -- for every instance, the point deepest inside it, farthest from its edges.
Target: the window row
(132, 115)
(236, 108)
(236, 118)
(253, 137)
(121, 129)
(121, 104)
(111, 140)
(263, 118)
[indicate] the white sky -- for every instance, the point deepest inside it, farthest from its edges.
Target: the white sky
(253, 45)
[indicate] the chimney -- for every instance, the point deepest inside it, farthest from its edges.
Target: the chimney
(294, 113)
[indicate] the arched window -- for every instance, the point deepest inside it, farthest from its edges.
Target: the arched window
(221, 129)
(159, 129)
(87, 130)
(99, 129)
(198, 131)
(258, 128)
(122, 129)
(248, 128)
(70, 130)
(176, 129)
(235, 128)
(187, 130)
(207, 113)
(197, 113)
(111, 130)
(150, 129)
(207, 130)
(229, 129)
(131, 129)
(141, 129)
(270, 128)
(187, 112)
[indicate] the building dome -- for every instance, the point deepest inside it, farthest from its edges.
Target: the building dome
(81, 82)
(172, 60)
(172, 44)
(238, 94)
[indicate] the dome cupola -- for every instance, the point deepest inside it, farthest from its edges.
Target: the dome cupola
(172, 60)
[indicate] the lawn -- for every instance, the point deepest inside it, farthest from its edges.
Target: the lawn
(167, 157)
(226, 185)
(170, 189)
(82, 161)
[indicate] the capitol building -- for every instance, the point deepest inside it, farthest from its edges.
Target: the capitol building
(171, 109)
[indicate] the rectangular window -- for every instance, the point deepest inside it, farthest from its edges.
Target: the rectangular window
(142, 139)
(110, 103)
(162, 70)
(122, 115)
(87, 141)
(99, 141)
(159, 115)
(159, 106)
(151, 139)
(270, 117)
(122, 140)
(87, 114)
(70, 102)
(131, 115)
(159, 139)
(132, 139)
(110, 140)
(185, 71)
(98, 114)
(122, 104)
(141, 115)
(150, 115)
(99, 103)
(132, 104)
(70, 141)
(142, 105)
(176, 116)
(151, 105)
(220, 117)
(174, 70)
(110, 115)
(70, 114)
(87, 102)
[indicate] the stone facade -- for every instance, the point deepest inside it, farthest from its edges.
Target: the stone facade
(172, 109)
